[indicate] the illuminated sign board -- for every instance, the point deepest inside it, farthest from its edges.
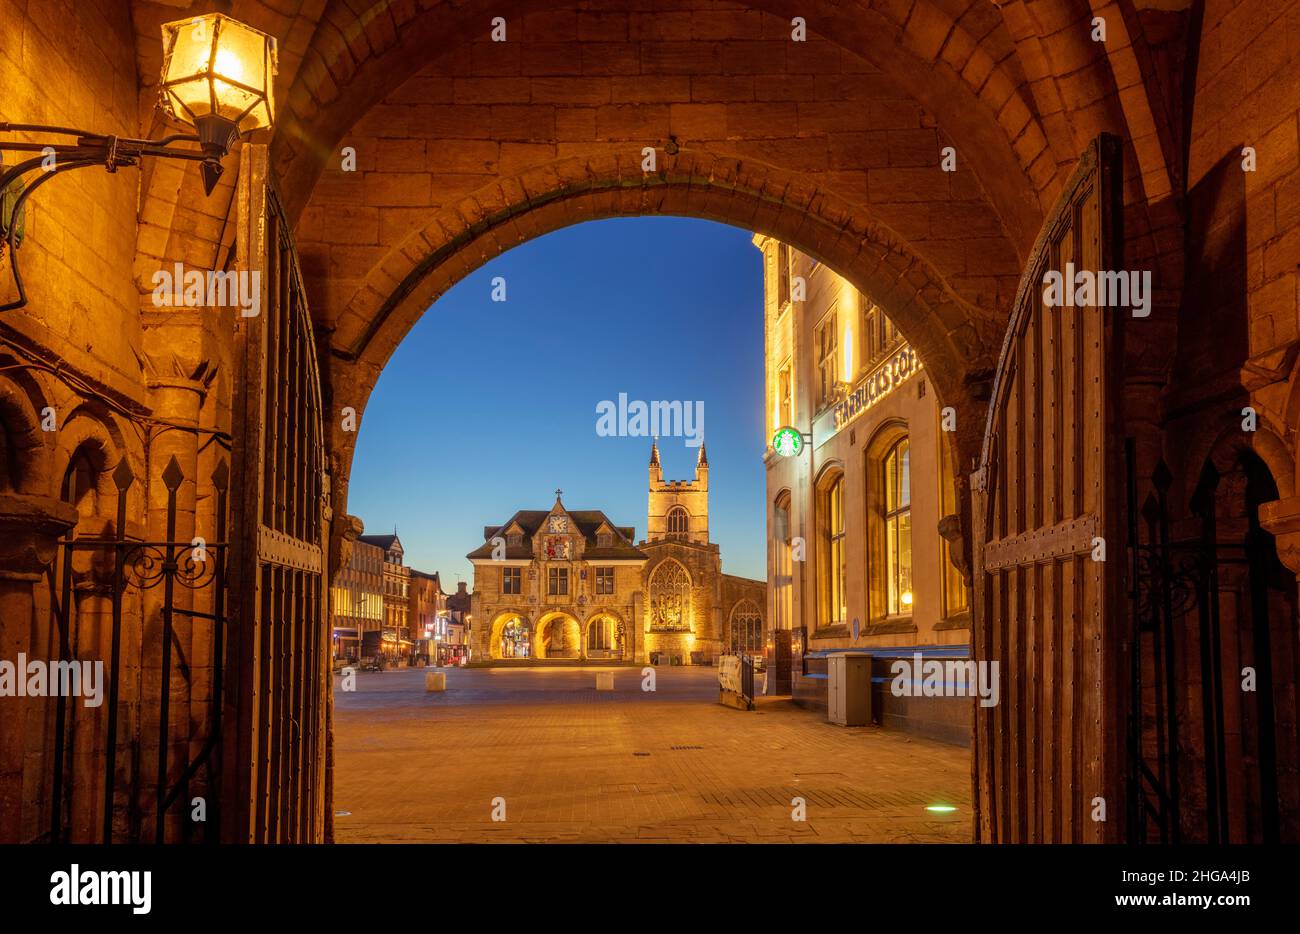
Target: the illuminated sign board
(872, 388)
(787, 442)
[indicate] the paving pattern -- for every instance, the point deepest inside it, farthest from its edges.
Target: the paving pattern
(575, 765)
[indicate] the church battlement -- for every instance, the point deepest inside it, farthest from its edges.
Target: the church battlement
(678, 510)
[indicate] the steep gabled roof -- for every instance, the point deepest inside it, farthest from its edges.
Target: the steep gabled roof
(587, 522)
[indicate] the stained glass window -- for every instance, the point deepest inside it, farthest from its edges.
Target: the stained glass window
(670, 597)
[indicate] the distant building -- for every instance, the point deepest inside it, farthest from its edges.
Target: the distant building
(396, 640)
(571, 584)
(862, 520)
(459, 625)
(357, 599)
(427, 615)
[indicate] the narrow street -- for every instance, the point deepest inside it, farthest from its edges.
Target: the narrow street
(576, 765)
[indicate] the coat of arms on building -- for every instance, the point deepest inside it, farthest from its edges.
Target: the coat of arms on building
(556, 548)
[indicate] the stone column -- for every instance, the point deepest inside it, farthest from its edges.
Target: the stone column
(636, 628)
(30, 527)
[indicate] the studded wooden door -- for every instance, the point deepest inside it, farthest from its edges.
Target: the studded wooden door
(278, 695)
(1046, 520)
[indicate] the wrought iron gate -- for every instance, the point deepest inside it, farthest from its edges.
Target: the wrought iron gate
(1179, 766)
(279, 693)
(123, 570)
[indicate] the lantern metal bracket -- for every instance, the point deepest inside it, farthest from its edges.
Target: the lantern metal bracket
(90, 149)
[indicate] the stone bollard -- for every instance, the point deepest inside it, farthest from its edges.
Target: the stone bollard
(604, 681)
(435, 681)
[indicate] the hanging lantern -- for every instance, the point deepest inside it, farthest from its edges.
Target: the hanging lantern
(218, 76)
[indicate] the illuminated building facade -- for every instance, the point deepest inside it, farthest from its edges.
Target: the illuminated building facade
(570, 584)
(357, 599)
(396, 642)
(427, 615)
(857, 512)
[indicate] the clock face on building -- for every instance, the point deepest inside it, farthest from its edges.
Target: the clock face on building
(558, 524)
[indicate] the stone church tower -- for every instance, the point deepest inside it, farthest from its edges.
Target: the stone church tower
(679, 509)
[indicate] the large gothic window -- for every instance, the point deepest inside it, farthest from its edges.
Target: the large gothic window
(670, 597)
(746, 629)
(678, 522)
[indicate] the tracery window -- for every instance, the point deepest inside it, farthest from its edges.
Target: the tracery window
(678, 522)
(670, 597)
(746, 629)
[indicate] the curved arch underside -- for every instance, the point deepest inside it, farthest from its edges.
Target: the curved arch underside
(466, 147)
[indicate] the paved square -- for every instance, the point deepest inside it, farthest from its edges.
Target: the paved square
(629, 766)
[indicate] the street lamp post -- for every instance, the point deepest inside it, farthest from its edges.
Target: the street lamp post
(217, 76)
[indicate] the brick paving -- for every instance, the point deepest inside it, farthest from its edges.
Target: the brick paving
(628, 766)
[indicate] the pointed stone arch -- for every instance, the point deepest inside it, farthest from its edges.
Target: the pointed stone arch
(745, 632)
(669, 597)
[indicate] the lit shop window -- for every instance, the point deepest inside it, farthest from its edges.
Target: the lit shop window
(832, 571)
(898, 528)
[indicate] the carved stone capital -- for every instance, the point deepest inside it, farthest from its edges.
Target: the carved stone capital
(30, 527)
(1281, 518)
(950, 531)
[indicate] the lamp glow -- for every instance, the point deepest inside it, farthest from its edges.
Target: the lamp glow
(906, 598)
(218, 76)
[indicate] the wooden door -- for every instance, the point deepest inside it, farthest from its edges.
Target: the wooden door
(276, 732)
(1047, 493)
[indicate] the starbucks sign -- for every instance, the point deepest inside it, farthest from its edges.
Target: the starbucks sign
(788, 442)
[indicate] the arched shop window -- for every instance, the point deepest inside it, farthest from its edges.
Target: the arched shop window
(830, 566)
(898, 528)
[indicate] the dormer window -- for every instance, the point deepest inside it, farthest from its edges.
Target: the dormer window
(605, 539)
(678, 521)
(514, 538)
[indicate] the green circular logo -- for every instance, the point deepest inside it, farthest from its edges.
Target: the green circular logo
(787, 442)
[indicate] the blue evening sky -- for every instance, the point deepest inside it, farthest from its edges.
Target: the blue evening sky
(487, 408)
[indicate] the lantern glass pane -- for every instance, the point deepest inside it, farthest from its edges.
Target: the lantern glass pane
(260, 116)
(233, 101)
(241, 56)
(191, 94)
(214, 58)
(190, 42)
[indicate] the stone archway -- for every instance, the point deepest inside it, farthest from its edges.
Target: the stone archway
(558, 636)
(510, 634)
(605, 635)
(827, 141)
